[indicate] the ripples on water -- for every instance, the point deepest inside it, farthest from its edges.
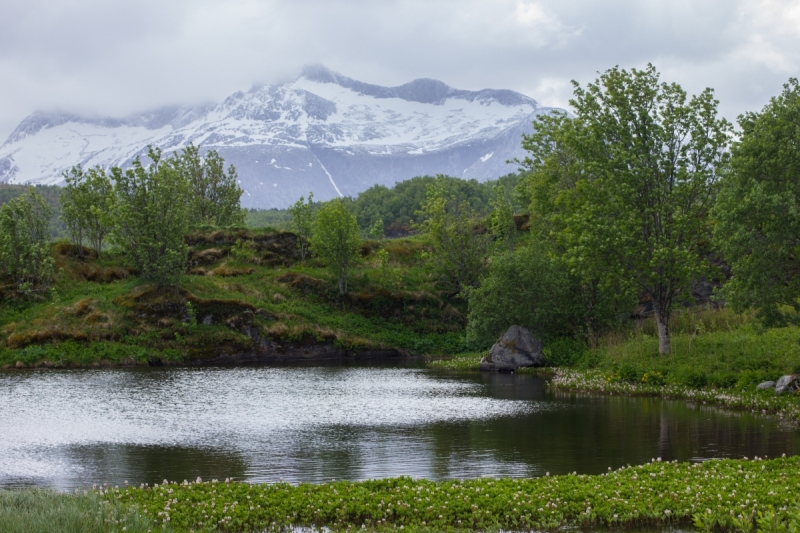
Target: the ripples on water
(72, 428)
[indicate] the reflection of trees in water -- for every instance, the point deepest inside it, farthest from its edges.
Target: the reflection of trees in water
(587, 433)
(115, 464)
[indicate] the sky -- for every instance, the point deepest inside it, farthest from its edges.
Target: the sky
(96, 57)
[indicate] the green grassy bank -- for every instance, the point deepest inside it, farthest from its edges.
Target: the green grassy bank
(726, 495)
(44, 511)
(99, 313)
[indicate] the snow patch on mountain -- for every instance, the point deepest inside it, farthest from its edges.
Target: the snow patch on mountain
(322, 132)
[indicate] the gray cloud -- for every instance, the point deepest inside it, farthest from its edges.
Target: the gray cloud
(100, 57)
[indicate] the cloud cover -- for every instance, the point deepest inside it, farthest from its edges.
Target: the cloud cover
(114, 58)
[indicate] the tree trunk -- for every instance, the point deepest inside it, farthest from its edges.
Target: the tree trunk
(662, 321)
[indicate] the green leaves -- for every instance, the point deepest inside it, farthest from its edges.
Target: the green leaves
(302, 223)
(87, 205)
(25, 254)
(625, 187)
(336, 239)
(460, 244)
(758, 211)
(214, 192)
(654, 494)
(152, 216)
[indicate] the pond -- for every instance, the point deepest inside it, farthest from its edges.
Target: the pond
(72, 428)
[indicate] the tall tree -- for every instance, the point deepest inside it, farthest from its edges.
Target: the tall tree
(336, 239)
(461, 246)
(302, 223)
(87, 203)
(25, 240)
(152, 216)
(758, 211)
(646, 161)
(215, 192)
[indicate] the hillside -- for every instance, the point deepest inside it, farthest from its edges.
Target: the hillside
(235, 306)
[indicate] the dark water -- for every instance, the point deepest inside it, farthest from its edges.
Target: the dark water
(68, 429)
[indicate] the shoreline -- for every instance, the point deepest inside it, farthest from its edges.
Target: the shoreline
(723, 494)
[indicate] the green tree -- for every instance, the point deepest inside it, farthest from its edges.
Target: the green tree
(460, 244)
(302, 223)
(336, 239)
(758, 211)
(646, 162)
(501, 219)
(87, 205)
(152, 217)
(524, 287)
(376, 231)
(25, 254)
(215, 193)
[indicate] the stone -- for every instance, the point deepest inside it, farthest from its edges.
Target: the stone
(517, 348)
(208, 320)
(789, 383)
(766, 385)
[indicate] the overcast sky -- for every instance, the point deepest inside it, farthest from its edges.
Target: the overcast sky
(117, 57)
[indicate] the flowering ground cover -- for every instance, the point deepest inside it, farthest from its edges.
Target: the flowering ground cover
(729, 495)
(786, 406)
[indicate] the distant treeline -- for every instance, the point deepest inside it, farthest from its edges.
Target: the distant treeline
(398, 206)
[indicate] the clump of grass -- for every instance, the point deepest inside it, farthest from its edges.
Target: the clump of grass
(459, 361)
(44, 511)
(723, 495)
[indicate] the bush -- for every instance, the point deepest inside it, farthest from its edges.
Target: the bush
(152, 217)
(25, 254)
(564, 351)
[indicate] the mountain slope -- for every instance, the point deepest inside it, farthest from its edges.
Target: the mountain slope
(322, 132)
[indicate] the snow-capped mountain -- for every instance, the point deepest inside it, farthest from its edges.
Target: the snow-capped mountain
(322, 132)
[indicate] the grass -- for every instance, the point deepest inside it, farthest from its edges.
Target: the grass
(44, 511)
(98, 313)
(724, 495)
(710, 348)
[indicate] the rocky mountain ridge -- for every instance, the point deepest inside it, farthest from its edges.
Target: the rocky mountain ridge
(322, 132)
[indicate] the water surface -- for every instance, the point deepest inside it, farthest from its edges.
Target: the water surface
(73, 428)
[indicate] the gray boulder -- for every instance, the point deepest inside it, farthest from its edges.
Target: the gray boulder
(788, 383)
(517, 348)
(764, 385)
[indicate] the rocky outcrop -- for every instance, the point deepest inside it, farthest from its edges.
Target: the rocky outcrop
(764, 385)
(789, 383)
(517, 348)
(306, 350)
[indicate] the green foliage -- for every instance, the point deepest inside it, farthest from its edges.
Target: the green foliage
(152, 217)
(526, 288)
(45, 511)
(303, 223)
(636, 171)
(25, 255)
(214, 192)
(758, 211)
(460, 246)
(388, 278)
(51, 195)
(726, 493)
(501, 219)
(376, 232)
(242, 250)
(268, 218)
(336, 240)
(87, 204)
(399, 207)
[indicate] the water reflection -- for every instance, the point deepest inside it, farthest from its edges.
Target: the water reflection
(72, 428)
